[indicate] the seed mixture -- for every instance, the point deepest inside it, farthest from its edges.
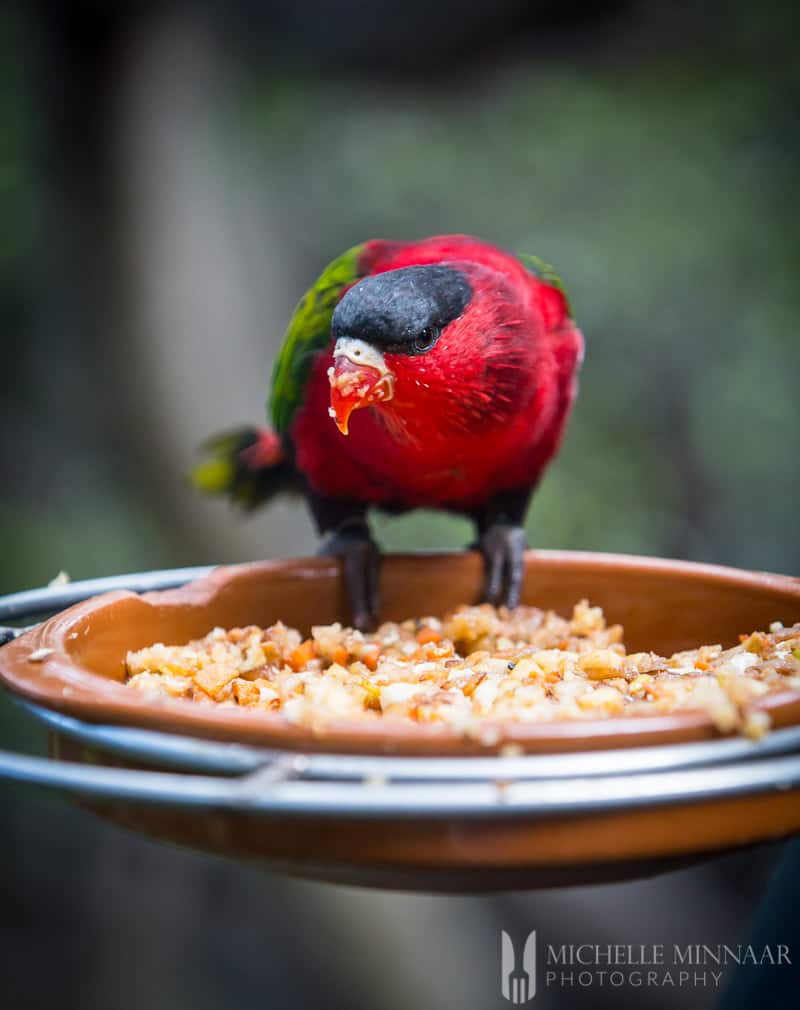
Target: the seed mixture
(477, 667)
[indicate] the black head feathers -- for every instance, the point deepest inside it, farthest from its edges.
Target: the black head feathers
(402, 311)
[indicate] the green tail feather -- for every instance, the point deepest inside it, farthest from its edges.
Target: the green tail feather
(248, 465)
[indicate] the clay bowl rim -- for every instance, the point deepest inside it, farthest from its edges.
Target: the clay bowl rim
(60, 683)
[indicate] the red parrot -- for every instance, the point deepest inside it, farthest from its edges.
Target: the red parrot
(437, 374)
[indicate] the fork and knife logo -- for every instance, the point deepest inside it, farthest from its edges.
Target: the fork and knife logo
(518, 980)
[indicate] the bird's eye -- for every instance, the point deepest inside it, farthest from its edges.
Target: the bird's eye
(425, 340)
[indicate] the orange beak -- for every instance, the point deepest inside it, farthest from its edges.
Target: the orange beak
(354, 386)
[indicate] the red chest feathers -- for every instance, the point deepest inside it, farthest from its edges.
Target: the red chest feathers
(435, 447)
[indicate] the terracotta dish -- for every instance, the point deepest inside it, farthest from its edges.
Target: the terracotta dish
(496, 830)
(74, 662)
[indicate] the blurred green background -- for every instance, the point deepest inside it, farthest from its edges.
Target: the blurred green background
(173, 177)
(162, 215)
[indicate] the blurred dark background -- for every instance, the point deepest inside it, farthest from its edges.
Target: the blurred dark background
(172, 178)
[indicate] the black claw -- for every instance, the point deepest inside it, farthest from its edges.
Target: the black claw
(503, 549)
(361, 559)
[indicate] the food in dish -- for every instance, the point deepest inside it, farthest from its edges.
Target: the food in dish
(478, 667)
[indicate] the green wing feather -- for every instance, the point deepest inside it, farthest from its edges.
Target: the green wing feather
(545, 273)
(309, 332)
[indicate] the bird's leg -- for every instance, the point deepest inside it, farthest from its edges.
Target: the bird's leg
(347, 536)
(361, 558)
(501, 540)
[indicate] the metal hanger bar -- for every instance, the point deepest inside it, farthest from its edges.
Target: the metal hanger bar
(271, 791)
(189, 753)
(33, 602)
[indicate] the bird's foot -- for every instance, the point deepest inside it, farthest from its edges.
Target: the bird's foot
(503, 549)
(361, 558)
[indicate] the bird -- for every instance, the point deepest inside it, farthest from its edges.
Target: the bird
(436, 373)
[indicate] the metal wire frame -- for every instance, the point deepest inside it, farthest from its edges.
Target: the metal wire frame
(48, 600)
(271, 790)
(192, 754)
